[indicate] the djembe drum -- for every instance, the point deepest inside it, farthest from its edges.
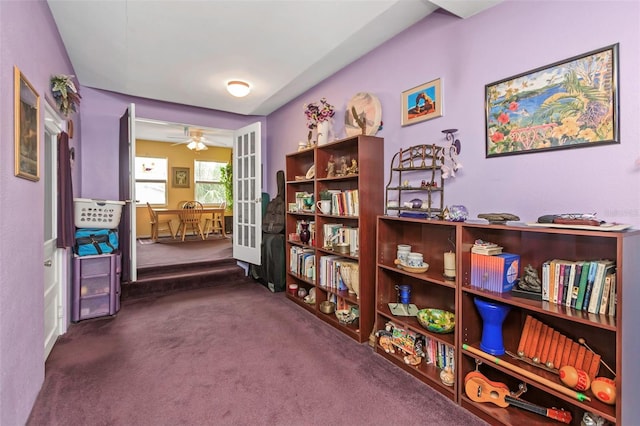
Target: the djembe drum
(493, 315)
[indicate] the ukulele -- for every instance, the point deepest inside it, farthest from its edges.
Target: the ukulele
(480, 389)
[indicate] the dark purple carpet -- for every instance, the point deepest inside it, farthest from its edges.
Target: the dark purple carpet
(233, 354)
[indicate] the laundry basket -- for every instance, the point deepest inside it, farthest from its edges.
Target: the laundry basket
(96, 213)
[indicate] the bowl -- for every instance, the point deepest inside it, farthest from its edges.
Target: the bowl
(327, 307)
(436, 320)
(345, 316)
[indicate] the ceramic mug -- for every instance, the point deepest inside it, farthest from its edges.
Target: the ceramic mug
(324, 206)
(403, 252)
(414, 260)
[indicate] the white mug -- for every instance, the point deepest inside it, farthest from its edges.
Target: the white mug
(324, 206)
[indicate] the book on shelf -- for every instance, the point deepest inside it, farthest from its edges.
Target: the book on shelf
(612, 297)
(598, 284)
(569, 276)
(589, 288)
(606, 289)
(486, 249)
(545, 281)
(556, 280)
(584, 274)
(575, 288)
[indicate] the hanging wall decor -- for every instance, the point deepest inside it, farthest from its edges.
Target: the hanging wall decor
(65, 93)
(26, 128)
(422, 102)
(568, 104)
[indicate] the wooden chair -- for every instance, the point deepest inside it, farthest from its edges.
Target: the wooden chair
(157, 226)
(216, 223)
(191, 215)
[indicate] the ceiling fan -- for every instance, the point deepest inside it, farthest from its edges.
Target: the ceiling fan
(196, 141)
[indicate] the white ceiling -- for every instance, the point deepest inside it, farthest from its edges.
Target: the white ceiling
(184, 51)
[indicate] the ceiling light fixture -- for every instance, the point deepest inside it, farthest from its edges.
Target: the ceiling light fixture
(238, 88)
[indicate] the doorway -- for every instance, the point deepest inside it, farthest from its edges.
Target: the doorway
(55, 292)
(172, 147)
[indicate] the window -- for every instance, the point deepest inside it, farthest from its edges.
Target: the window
(151, 180)
(209, 188)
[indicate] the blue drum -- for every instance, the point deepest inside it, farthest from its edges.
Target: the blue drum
(493, 315)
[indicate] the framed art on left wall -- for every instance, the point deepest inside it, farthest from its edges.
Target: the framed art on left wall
(26, 128)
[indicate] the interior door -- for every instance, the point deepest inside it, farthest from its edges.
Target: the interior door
(247, 195)
(55, 292)
(127, 228)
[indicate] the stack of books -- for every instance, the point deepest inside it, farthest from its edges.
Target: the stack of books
(486, 248)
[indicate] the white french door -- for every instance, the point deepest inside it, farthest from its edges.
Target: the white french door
(247, 194)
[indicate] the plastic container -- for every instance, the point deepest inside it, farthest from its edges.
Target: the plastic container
(96, 213)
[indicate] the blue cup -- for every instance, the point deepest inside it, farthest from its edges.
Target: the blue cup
(404, 293)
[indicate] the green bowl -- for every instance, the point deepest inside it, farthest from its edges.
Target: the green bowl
(436, 320)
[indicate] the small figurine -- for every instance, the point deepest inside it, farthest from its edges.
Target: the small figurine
(530, 281)
(331, 167)
(344, 168)
(353, 169)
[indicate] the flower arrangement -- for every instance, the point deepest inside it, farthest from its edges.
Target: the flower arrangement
(65, 93)
(317, 113)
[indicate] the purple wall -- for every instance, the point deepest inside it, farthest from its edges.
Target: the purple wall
(30, 40)
(506, 40)
(101, 112)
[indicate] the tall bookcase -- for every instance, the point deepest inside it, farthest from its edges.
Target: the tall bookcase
(615, 338)
(364, 191)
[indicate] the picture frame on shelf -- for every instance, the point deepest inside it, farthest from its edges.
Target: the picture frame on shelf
(421, 103)
(568, 104)
(26, 128)
(180, 177)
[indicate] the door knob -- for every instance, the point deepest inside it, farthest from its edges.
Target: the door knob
(48, 263)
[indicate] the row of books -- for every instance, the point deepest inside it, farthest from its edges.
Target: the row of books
(439, 354)
(330, 271)
(337, 233)
(345, 203)
(588, 285)
(302, 261)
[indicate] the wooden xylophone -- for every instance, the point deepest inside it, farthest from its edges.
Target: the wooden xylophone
(543, 345)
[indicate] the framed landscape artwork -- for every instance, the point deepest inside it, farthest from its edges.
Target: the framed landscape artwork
(422, 102)
(568, 104)
(26, 128)
(180, 177)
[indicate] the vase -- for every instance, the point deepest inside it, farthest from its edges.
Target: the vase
(305, 234)
(323, 132)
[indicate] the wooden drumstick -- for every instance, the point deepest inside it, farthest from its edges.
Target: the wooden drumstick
(569, 392)
(584, 342)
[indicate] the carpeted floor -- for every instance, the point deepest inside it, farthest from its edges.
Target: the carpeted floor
(234, 354)
(174, 252)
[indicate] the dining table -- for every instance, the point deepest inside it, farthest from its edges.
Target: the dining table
(205, 211)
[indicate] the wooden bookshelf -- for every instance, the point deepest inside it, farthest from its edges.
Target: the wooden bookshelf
(602, 332)
(368, 151)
